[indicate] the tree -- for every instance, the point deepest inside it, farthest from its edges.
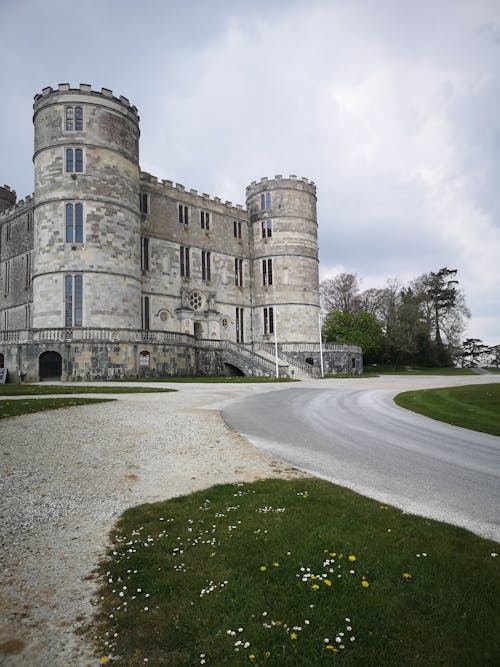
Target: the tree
(495, 355)
(354, 328)
(472, 351)
(340, 293)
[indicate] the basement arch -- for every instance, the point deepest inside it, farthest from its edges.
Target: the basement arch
(50, 366)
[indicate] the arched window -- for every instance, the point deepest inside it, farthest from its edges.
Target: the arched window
(78, 118)
(69, 118)
(74, 223)
(144, 359)
(74, 119)
(73, 301)
(74, 160)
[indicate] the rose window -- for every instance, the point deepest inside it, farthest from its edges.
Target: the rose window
(195, 300)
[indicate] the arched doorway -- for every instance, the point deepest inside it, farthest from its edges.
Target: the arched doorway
(50, 366)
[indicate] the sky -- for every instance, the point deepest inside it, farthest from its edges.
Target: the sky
(390, 106)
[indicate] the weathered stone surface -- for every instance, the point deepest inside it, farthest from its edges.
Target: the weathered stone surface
(153, 254)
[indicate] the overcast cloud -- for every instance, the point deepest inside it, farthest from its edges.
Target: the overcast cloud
(391, 107)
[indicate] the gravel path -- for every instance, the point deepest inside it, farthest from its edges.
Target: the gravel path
(67, 475)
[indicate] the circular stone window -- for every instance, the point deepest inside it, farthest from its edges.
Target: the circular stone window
(196, 300)
(163, 315)
(225, 322)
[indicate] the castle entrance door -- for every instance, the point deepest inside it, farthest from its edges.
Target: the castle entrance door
(198, 330)
(50, 366)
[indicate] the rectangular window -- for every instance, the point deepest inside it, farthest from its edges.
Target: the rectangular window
(78, 118)
(268, 321)
(73, 301)
(27, 316)
(184, 261)
(267, 272)
(239, 325)
(74, 118)
(237, 229)
(6, 278)
(27, 270)
(205, 220)
(265, 201)
(267, 228)
(145, 253)
(74, 160)
(144, 202)
(69, 118)
(7, 231)
(145, 312)
(205, 266)
(74, 223)
(183, 212)
(238, 272)
(29, 222)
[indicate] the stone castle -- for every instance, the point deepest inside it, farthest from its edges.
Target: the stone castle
(108, 272)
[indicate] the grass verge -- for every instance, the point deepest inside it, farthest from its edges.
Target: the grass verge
(17, 408)
(295, 573)
(35, 389)
(236, 379)
(392, 370)
(472, 406)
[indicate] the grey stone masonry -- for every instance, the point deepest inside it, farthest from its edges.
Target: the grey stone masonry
(102, 246)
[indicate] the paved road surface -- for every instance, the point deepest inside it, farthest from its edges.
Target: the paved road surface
(359, 438)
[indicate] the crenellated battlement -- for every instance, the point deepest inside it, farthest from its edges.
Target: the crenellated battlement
(18, 207)
(279, 181)
(83, 89)
(169, 186)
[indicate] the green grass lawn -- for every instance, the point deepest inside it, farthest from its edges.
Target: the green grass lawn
(390, 370)
(473, 406)
(210, 380)
(17, 408)
(341, 376)
(298, 573)
(35, 389)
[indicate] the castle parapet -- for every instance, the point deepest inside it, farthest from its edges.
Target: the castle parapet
(84, 89)
(172, 189)
(279, 181)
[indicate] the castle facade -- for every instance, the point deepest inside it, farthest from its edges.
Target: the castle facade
(106, 271)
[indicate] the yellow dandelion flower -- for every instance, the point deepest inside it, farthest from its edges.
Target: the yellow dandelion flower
(327, 582)
(293, 635)
(315, 587)
(352, 558)
(267, 654)
(262, 568)
(104, 659)
(213, 554)
(251, 656)
(276, 564)
(406, 575)
(333, 554)
(365, 584)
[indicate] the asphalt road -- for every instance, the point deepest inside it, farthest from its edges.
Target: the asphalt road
(360, 439)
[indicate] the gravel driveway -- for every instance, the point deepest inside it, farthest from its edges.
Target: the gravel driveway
(66, 476)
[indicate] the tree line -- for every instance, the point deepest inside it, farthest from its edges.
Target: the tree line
(420, 324)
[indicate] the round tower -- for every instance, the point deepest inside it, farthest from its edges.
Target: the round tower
(86, 263)
(284, 234)
(7, 198)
